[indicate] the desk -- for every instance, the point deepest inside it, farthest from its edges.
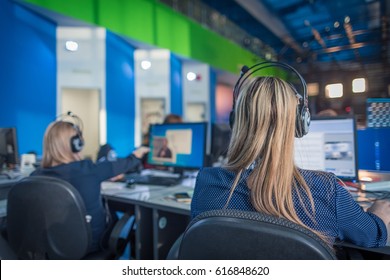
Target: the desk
(160, 219)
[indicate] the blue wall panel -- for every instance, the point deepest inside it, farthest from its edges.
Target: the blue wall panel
(27, 74)
(213, 89)
(120, 100)
(176, 87)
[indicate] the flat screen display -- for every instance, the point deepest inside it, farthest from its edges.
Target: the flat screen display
(329, 146)
(180, 145)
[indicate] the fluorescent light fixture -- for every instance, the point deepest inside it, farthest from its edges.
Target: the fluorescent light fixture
(191, 76)
(334, 90)
(146, 64)
(359, 85)
(71, 46)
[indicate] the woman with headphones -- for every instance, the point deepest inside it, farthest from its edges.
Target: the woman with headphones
(62, 158)
(260, 174)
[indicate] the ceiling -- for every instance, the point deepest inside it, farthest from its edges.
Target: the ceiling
(320, 34)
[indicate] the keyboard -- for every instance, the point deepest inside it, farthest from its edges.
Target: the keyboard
(152, 180)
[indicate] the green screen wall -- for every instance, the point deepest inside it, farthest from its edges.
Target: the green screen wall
(152, 22)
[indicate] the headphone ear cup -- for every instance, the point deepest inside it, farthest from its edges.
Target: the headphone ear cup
(306, 121)
(302, 123)
(231, 119)
(76, 143)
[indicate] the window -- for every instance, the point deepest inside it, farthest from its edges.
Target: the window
(359, 85)
(312, 89)
(334, 90)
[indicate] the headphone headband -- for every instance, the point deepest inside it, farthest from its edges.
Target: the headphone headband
(303, 114)
(77, 141)
(71, 118)
(246, 72)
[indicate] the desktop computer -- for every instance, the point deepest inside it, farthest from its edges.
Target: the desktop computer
(174, 148)
(329, 146)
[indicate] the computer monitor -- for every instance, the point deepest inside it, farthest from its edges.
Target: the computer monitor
(329, 146)
(180, 145)
(220, 138)
(8, 147)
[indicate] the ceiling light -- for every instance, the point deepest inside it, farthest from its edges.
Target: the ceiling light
(146, 64)
(347, 19)
(71, 46)
(336, 24)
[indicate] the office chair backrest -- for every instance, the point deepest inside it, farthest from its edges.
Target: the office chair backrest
(233, 234)
(46, 219)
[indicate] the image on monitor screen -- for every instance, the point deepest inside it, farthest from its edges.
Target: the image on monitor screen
(181, 145)
(8, 147)
(329, 146)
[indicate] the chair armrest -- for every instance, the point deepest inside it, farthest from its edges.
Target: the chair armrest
(120, 235)
(173, 253)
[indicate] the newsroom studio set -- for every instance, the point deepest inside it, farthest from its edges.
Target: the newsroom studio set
(195, 130)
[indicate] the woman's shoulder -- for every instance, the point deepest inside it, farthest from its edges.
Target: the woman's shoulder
(319, 179)
(316, 174)
(215, 172)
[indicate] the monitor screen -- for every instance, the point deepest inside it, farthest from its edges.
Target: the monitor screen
(329, 146)
(8, 147)
(220, 140)
(181, 145)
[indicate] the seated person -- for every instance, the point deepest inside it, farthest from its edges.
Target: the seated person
(172, 118)
(327, 113)
(164, 152)
(62, 158)
(260, 173)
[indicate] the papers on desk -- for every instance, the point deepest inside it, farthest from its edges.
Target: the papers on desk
(181, 197)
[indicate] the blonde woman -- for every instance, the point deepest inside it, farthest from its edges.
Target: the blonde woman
(260, 174)
(62, 158)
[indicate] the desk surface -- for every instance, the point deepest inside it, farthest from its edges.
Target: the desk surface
(153, 196)
(162, 198)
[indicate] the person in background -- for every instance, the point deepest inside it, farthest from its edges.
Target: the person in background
(164, 152)
(172, 118)
(260, 173)
(62, 158)
(107, 153)
(327, 113)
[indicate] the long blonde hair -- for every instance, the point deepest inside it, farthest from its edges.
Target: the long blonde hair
(56, 144)
(263, 137)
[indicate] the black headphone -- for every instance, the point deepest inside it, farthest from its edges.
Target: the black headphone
(76, 141)
(302, 122)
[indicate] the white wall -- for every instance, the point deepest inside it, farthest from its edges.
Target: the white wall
(152, 89)
(84, 68)
(196, 95)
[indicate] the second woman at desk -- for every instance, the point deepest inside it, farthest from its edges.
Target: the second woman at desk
(62, 158)
(260, 174)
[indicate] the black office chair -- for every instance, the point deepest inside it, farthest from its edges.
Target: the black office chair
(241, 235)
(47, 219)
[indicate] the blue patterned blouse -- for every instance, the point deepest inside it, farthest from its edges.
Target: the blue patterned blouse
(336, 213)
